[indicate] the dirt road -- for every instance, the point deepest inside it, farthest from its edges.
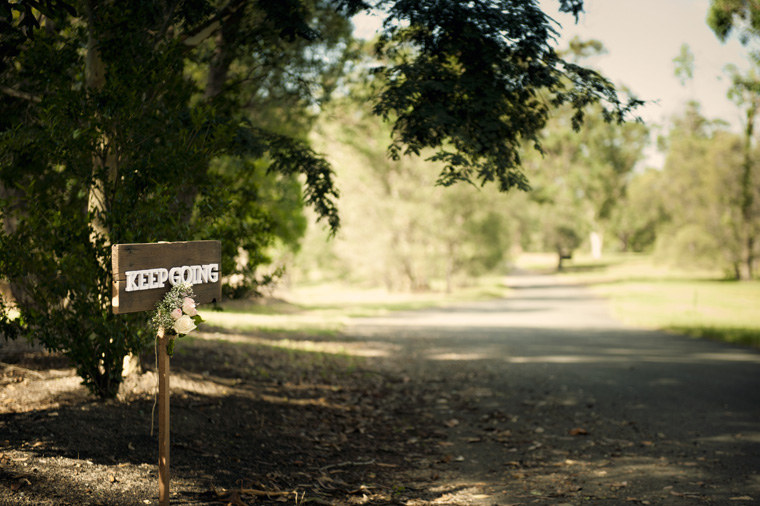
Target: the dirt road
(552, 401)
(538, 399)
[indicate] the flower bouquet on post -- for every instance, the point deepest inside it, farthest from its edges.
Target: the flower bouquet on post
(176, 314)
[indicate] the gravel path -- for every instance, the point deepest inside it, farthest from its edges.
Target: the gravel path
(549, 400)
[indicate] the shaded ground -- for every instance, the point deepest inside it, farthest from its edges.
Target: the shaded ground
(320, 427)
(538, 399)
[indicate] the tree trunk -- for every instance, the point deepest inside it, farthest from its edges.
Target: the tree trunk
(750, 257)
(103, 159)
(225, 44)
(747, 206)
(12, 292)
(450, 267)
(105, 171)
(560, 259)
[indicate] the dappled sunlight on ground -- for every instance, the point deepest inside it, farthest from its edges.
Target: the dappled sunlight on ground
(541, 398)
(697, 358)
(752, 437)
(334, 346)
(457, 356)
(575, 407)
(57, 387)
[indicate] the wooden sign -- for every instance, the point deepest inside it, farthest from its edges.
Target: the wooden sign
(143, 273)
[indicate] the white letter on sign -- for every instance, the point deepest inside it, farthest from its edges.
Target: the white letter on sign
(148, 279)
(131, 277)
(152, 279)
(142, 282)
(175, 276)
(187, 274)
(163, 275)
(204, 273)
(196, 274)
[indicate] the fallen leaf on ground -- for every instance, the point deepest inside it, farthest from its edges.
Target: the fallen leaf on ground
(233, 500)
(578, 431)
(16, 485)
(268, 493)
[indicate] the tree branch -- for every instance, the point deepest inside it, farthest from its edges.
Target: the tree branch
(194, 37)
(20, 94)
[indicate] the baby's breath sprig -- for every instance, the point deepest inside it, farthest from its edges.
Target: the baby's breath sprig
(176, 313)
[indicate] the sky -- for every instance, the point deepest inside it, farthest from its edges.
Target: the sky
(642, 37)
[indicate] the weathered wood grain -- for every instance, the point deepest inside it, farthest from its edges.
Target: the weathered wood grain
(162, 255)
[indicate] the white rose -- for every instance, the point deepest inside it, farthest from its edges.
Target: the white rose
(184, 325)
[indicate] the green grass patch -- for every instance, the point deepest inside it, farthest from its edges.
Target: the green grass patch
(695, 303)
(745, 336)
(301, 323)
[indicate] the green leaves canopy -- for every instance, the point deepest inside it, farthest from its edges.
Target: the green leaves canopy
(108, 135)
(475, 80)
(728, 16)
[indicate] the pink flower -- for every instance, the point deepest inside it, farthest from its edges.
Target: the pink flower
(188, 306)
(176, 313)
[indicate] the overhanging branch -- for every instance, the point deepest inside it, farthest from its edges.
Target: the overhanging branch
(20, 94)
(197, 35)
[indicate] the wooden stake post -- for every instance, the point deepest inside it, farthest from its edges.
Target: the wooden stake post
(142, 275)
(163, 419)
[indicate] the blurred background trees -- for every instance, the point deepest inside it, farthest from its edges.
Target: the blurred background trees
(591, 190)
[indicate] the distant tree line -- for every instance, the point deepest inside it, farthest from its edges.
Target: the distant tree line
(588, 188)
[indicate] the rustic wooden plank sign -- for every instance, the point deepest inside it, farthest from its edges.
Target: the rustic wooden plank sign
(142, 275)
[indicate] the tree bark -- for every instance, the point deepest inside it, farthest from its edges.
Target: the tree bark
(224, 53)
(103, 159)
(747, 206)
(12, 292)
